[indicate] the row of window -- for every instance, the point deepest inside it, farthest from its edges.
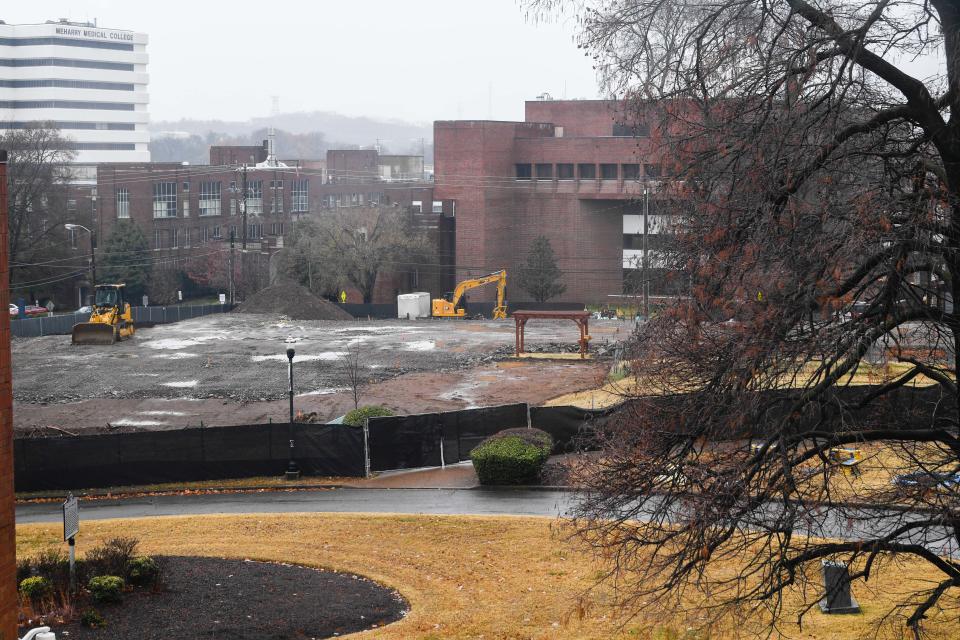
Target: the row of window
(101, 146)
(66, 84)
(210, 200)
(66, 42)
(417, 206)
(65, 104)
(185, 238)
(586, 171)
(92, 126)
(334, 200)
(65, 62)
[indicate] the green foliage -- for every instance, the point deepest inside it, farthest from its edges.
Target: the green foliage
(36, 587)
(92, 619)
(106, 588)
(49, 563)
(142, 570)
(513, 456)
(358, 417)
(111, 558)
(540, 276)
(126, 257)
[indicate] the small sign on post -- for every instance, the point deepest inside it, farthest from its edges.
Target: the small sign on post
(223, 298)
(71, 527)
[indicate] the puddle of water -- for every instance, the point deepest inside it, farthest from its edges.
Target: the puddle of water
(181, 384)
(323, 392)
(176, 355)
(182, 343)
(326, 355)
(161, 413)
(127, 422)
(420, 345)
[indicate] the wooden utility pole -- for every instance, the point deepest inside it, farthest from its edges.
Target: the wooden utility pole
(233, 244)
(8, 541)
(243, 236)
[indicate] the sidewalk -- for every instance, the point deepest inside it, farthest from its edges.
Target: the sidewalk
(454, 476)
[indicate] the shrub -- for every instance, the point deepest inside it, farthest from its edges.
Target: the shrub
(36, 587)
(112, 558)
(106, 588)
(513, 456)
(142, 570)
(357, 417)
(92, 619)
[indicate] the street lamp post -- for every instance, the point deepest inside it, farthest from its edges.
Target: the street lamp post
(293, 472)
(93, 251)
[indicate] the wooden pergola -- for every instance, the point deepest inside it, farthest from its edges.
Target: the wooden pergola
(581, 318)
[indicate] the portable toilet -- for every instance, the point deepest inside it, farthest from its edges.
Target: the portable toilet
(413, 305)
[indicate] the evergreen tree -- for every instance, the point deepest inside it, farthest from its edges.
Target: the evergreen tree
(540, 276)
(126, 258)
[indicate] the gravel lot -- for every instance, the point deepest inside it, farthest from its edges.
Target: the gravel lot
(239, 359)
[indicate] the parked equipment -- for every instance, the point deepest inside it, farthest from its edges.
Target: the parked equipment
(110, 320)
(450, 305)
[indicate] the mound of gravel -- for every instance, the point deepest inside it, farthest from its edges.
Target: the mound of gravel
(295, 302)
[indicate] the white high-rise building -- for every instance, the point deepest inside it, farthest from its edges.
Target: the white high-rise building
(90, 81)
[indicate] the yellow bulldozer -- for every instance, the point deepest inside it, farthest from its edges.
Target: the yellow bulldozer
(450, 305)
(110, 319)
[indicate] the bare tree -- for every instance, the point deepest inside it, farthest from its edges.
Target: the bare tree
(356, 245)
(354, 371)
(815, 189)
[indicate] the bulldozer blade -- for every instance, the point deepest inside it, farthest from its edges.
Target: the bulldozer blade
(93, 333)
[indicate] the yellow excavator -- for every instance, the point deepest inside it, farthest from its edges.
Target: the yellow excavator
(110, 319)
(449, 306)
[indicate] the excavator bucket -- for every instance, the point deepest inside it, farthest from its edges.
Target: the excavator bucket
(94, 333)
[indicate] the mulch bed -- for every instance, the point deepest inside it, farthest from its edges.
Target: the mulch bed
(245, 600)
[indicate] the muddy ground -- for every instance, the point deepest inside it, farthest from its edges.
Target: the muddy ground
(232, 369)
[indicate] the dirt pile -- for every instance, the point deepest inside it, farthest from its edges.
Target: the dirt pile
(291, 300)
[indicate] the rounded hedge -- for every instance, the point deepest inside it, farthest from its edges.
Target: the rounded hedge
(36, 587)
(357, 417)
(512, 456)
(106, 588)
(142, 570)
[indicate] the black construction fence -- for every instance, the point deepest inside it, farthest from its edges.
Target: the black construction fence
(431, 439)
(208, 453)
(63, 324)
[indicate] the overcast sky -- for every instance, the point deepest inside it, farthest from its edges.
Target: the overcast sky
(419, 60)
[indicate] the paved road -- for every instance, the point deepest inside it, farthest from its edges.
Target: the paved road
(430, 501)
(829, 523)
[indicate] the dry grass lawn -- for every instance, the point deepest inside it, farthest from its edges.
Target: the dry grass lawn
(465, 577)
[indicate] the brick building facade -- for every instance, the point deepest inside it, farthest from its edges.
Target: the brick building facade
(191, 209)
(574, 171)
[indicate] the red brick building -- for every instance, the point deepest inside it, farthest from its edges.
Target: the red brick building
(190, 209)
(574, 171)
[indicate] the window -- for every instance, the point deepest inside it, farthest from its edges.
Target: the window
(355, 200)
(164, 199)
(276, 204)
(209, 202)
(233, 206)
(216, 232)
(204, 235)
(300, 195)
(233, 231)
(276, 184)
(639, 129)
(233, 186)
(160, 238)
(123, 202)
(255, 197)
(565, 171)
(630, 171)
(416, 206)
(186, 186)
(608, 172)
(544, 172)
(186, 207)
(587, 171)
(652, 170)
(186, 237)
(437, 206)
(524, 171)
(174, 238)
(280, 228)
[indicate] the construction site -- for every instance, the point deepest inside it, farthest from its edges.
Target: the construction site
(231, 369)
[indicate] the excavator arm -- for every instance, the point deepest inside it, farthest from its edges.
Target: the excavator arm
(449, 308)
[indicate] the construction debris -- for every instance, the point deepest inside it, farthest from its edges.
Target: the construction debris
(293, 301)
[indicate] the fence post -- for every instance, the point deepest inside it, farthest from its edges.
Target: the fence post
(366, 448)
